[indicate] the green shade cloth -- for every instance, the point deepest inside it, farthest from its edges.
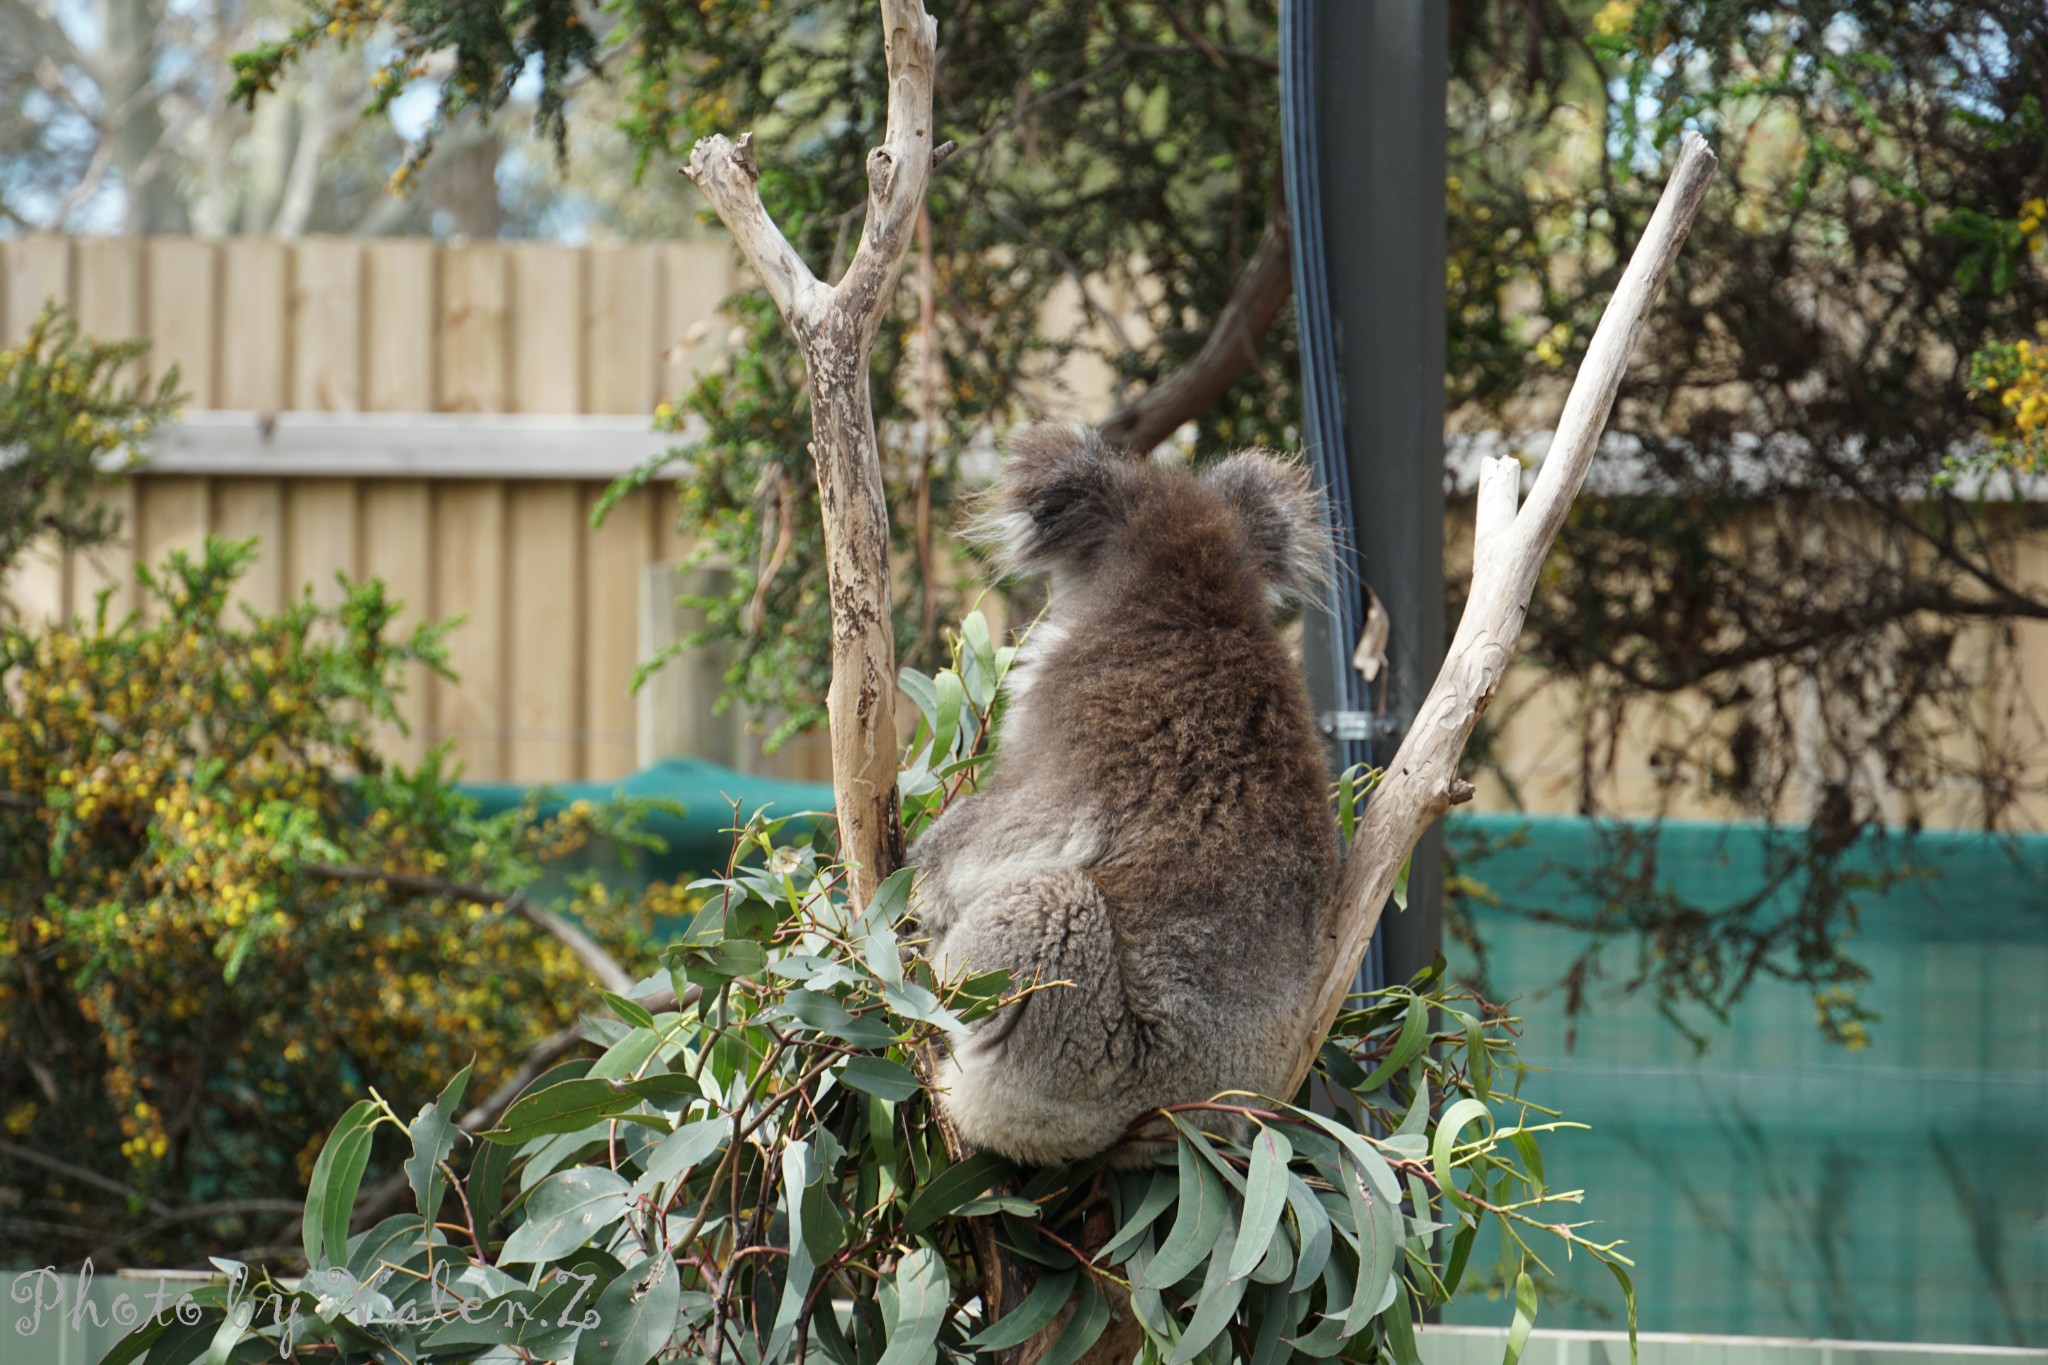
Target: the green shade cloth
(698, 839)
(1780, 1184)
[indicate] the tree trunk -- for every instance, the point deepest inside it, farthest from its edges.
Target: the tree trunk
(835, 328)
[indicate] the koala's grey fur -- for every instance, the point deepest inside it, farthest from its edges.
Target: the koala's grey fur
(1158, 830)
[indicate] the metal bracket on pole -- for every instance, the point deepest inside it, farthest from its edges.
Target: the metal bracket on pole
(1355, 726)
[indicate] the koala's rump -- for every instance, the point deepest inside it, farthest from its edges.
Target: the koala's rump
(1120, 1024)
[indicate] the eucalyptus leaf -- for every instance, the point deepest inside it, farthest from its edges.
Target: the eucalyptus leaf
(1401, 1332)
(564, 1107)
(1028, 1318)
(1378, 1225)
(1312, 1227)
(880, 1077)
(1327, 1337)
(632, 1011)
(1083, 1329)
(951, 696)
(922, 691)
(433, 1138)
(568, 1209)
(953, 1187)
(1628, 1297)
(1157, 1196)
(1216, 1303)
(682, 1151)
(1525, 1318)
(1448, 1127)
(915, 1298)
(1414, 1033)
(798, 1170)
(1265, 1198)
(1275, 1315)
(1195, 1226)
(331, 1193)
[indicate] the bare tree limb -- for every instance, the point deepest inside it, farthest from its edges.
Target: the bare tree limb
(1232, 348)
(1508, 549)
(835, 328)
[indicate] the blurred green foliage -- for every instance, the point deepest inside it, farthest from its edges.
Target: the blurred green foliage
(69, 412)
(200, 949)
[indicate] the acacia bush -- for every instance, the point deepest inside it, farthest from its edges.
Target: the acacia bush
(65, 406)
(199, 951)
(756, 1173)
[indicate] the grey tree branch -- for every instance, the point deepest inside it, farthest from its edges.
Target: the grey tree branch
(1232, 348)
(835, 328)
(1508, 549)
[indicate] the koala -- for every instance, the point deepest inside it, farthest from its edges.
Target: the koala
(1157, 834)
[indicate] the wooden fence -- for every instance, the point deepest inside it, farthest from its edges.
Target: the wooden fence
(552, 608)
(572, 348)
(390, 325)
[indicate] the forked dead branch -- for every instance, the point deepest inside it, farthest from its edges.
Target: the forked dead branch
(834, 324)
(1508, 549)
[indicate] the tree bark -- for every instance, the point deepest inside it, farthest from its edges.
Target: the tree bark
(835, 325)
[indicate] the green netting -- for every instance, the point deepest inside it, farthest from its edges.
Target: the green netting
(698, 837)
(1780, 1184)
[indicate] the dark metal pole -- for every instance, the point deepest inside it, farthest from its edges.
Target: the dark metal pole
(1363, 91)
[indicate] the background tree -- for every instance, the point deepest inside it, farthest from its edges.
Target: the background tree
(1802, 570)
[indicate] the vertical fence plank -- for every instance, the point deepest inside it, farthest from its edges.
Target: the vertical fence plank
(544, 534)
(547, 349)
(695, 279)
(319, 537)
(397, 546)
(180, 313)
(243, 508)
(616, 556)
(254, 340)
(399, 301)
(469, 581)
(38, 272)
(327, 325)
(107, 290)
(2017, 724)
(474, 372)
(621, 331)
(108, 568)
(107, 293)
(36, 585)
(173, 512)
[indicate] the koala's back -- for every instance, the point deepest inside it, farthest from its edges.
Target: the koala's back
(1169, 704)
(1158, 833)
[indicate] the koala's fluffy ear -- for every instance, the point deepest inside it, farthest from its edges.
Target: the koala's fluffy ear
(1283, 520)
(1058, 499)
